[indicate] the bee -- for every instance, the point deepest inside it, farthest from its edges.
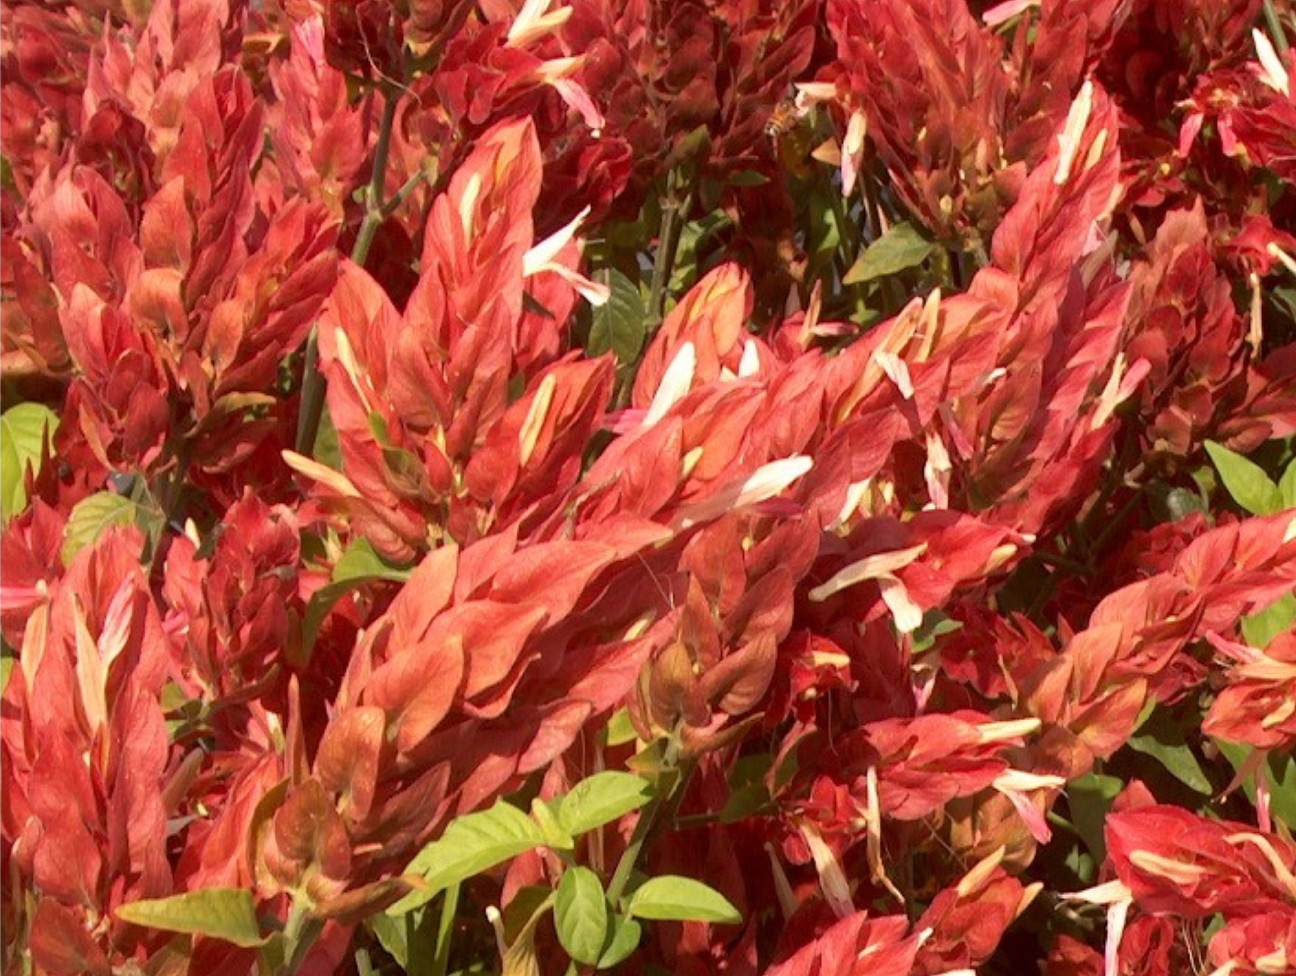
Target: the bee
(789, 132)
(786, 116)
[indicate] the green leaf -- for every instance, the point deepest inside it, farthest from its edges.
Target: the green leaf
(581, 915)
(91, 517)
(392, 934)
(1287, 486)
(358, 565)
(620, 729)
(620, 323)
(7, 661)
(360, 561)
(747, 177)
(623, 940)
(1281, 771)
(747, 790)
(1264, 625)
(327, 449)
(899, 248)
(471, 844)
(600, 799)
(555, 835)
(1246, 482)
(1090, 798)
(228, 914)
(671, 898)
(23, 428)
(1163, 740)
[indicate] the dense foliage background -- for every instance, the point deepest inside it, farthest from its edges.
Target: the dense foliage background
(676, 486)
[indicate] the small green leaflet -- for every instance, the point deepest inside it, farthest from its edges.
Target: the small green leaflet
(23, 428)
(357, 566)
(623, 941)
(1287, 486)
(900, 248)
(620, 323)
(620, 729)
(581, 915)
(671, 898)
(1264, 625)
(359, 561)
(1246, 482)
(91, 517)
(555, 835)
(600, 799)
(228, 914)
(471, 844)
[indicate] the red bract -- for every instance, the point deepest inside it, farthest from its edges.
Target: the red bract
(680, 81)
(856, 945)
(86, 752)
(666, 486)
(234, 609)
(1254, 945)
(440, 452)
(1196, 344)
(1256, 706)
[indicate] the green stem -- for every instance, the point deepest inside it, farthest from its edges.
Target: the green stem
(1274, 23)
(374, 214)
(406, 188)
(625, 866)
(313, 385)
(300, 933)
(674, 213)
(445, 930)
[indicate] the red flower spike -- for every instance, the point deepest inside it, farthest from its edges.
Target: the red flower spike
(856, 945)
(968, 920)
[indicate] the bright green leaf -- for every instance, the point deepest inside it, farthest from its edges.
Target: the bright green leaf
(555, 835)
(358, 565)
(581, 915)
(360, 561)
(392, 934)
(600, 799)
(899, 248)
(620, 323)
(1287, 486)
(672, 898)
(228, 914)
(327, 449)
(1246, 482)
(91, 517)
(620, 729)
(1264, 625)
(1163, 740)
(471, 844)
(623, 940)
(23, 428)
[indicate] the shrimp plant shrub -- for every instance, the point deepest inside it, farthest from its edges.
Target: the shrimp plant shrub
(721, 487)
